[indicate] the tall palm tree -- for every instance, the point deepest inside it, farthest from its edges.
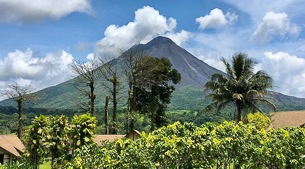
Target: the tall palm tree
(241, 87)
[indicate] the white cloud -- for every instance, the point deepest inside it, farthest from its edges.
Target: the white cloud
(216, 19)
(287, 71)
(90, 56)
(180, 37)
(25, 10)
(148, 23)
(39, 72)
(258, 8)
(275, 24)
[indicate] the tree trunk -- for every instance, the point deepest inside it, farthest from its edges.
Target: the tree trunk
(132, 108)
(152, 121)
(128, 111)
(127, 122)
(114, 102)
(132, 121)
(106, 116)
(92, 97)
(20, 119)
(238, 106)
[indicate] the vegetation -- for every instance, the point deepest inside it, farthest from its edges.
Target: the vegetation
(112, 83)
(87, 78)
(34, 141)
(153, 91)
(222, 144)
(149, 88)
(208, 146)
(55, 139)
(241, 87)
(261, 121)
(20, 94)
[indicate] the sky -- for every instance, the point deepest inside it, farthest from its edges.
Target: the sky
(39, 40)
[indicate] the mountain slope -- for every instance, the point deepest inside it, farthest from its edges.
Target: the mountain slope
(188, 95)
(193, 71)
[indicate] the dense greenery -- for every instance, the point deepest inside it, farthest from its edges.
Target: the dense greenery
(187, 146)
(154, 88)
(56, 139)
(261, 121)
(226, 145)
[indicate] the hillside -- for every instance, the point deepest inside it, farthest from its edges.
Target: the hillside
(188, 95)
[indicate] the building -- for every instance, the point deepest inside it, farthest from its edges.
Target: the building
(287, 119)
(133, 135)
(100, 138)
(10, 147)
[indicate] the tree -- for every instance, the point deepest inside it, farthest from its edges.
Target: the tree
(36, 148)
(20, 94)
(57, 139)
(241, 87)
(154, 87)
(106, 116)
(112, 84)
(131, 68)
(86, 78)
(82, 130)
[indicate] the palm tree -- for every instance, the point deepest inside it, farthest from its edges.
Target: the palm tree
(241, 87)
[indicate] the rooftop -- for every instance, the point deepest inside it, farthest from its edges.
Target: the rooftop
(287, 119)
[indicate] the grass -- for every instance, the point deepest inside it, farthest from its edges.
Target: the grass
(179, 111)
(45, 165)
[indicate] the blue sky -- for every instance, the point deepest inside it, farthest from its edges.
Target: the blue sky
(40, 39)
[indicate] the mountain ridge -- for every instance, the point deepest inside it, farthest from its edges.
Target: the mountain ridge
(194, 72)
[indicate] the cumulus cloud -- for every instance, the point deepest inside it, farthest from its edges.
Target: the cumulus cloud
(25, 10)
(275, 24)
(39, 72)
(287, 71)
(216, 19)
(148, 23)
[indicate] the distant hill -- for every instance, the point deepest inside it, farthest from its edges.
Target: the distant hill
(192, 98)
(188, 95)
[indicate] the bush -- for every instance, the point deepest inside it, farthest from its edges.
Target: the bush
(209, 146)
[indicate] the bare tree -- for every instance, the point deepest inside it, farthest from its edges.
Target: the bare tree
(106, 116)
(112, 83)
(20, 94)
(86, 78)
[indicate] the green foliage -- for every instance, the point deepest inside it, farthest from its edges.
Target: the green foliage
(153, 90)
(8, 123)
(260, 120)
(241, 87)
(54, 137)
(82, 130)
(209, 146)
(197, 117)
(58, 140)
(36, 140)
